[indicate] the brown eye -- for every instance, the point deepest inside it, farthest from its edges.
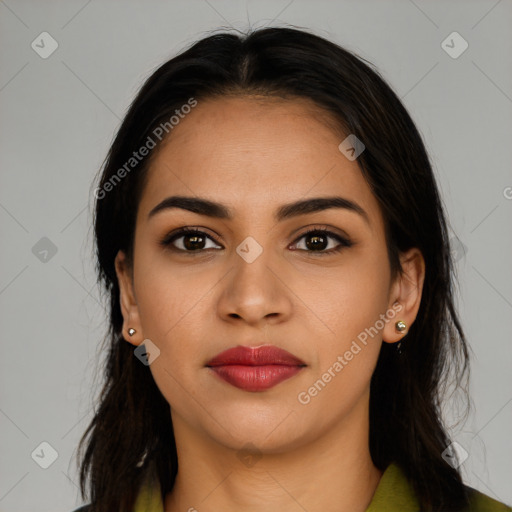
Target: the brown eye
(189, 240)
(317, 241)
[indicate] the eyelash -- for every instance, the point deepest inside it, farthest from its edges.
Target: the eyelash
(343, 242)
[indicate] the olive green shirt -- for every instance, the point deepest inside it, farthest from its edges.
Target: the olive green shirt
(393, 494)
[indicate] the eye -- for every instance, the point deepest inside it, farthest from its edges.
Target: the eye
(194, 240)
(319, 241)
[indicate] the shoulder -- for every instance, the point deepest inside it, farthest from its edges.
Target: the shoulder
(480, 502)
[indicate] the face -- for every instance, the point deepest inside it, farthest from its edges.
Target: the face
(259, 278)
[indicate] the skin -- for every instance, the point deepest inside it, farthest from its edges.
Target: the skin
(253, 155)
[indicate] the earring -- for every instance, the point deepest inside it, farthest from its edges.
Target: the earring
(131, 331)
(400, 326)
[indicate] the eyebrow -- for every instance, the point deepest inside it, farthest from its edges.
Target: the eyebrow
(286, 211)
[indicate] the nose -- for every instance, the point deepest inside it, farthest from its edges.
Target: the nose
(255, 291)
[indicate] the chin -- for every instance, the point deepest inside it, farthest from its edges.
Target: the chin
(268, 433)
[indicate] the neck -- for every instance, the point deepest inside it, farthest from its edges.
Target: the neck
(333, 473)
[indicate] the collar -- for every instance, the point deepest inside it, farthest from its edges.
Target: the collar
(393, 493)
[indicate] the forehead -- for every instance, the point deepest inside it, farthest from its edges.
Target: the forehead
(254, 154)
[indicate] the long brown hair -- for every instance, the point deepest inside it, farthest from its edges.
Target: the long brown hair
(130, 436)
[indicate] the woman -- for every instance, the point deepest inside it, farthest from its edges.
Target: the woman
(274, 248)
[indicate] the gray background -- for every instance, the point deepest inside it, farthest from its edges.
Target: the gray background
(59, 114)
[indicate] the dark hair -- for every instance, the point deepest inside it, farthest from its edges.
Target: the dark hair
(133, 420)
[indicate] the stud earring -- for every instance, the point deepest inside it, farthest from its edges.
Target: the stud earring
(131, 331)
(400, 326)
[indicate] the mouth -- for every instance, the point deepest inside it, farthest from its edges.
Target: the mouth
(255, 368)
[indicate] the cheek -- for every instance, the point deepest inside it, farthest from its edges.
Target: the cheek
(173, 306)
(348, 298)
(350, 306)
(162, 290)
(169, 307)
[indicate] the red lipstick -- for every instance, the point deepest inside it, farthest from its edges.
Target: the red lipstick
(255, 368)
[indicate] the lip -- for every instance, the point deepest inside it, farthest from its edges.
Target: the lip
(255, 368)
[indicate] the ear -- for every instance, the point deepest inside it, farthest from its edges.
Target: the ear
(405, 294)
(128, 301)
